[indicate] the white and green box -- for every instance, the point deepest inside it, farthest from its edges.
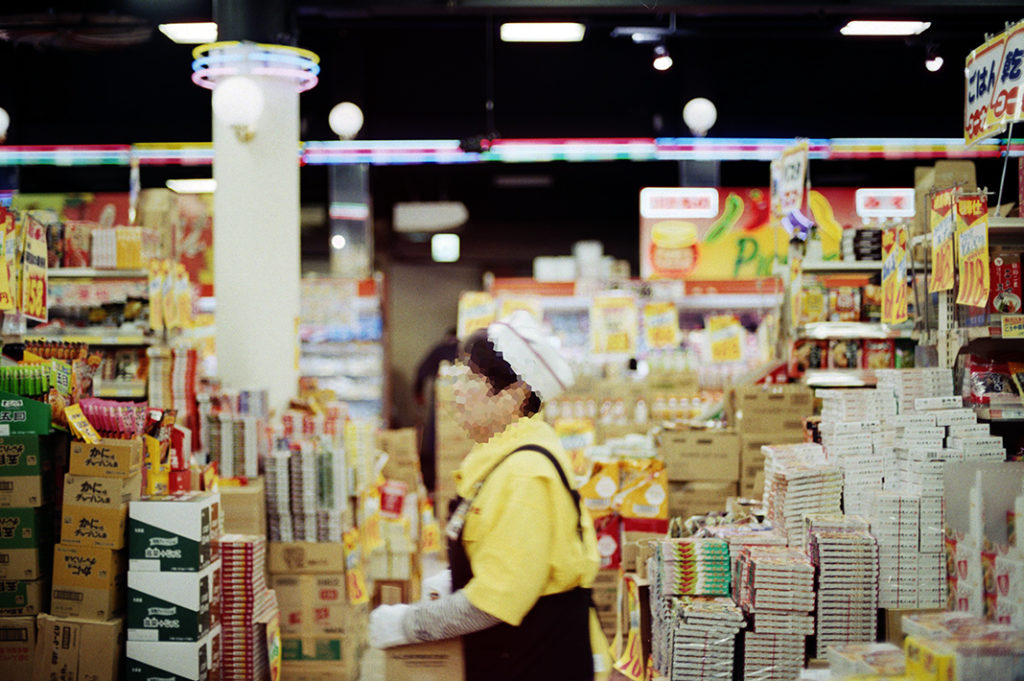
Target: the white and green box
(173, 660)
(171, 606)
(172, 533)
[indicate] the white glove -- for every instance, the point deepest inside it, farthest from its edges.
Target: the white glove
(438, 586)
(386, 626)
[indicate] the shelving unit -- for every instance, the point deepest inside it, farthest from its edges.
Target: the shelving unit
(845, 330)
(842, 266)
(840, 378)
(91, 273)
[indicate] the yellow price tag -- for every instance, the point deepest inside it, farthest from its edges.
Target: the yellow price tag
(1013, 326)
(661, 325)
(80, 425)
(942, 220)
(725, 333)
(972, 249)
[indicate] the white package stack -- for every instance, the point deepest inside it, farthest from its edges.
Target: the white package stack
(798, 480)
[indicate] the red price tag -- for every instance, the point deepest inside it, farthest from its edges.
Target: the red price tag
(34, 297)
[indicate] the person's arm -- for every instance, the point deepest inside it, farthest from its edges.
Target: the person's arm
(447, 617)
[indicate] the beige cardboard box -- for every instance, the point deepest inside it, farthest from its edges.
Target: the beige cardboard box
(340, 652)
(316, 604)
(87, 581)
(773, 399)
(23, 597)
(78, 649)
(108, 459)
(80, 490)
(401, 446)
(700, 454)
(306, 558)
(103, 526)
(243, 509)
(634, 556)
(686, 499)
(437, 661)
(783, 427)
(17, 648)
(314, 671)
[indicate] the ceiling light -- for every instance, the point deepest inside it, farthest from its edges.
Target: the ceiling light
(338, 242)
(346, 120)
(933, 64)
(238, 101)
(885, 27)
(542, 32)
(444, 247)
(662, 59)
(194, 33)
(700, 114)
(198, 185)
(5, 122)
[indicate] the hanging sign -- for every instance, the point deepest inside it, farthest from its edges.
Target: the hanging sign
(894, 274)
(678, 202)
(614, 324)
(885, 203)
(942, 219)
(725, 334)
(661, 325)
(983, 68)
(789, 180)
(631, 663)
(476, 311)
(972, 249)
(796, 298)
(33, 269)
(1007, 105)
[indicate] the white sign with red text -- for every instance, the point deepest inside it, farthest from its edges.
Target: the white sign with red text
(885, 203)
(678, 202)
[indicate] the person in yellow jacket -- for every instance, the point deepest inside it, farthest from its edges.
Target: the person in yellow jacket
(522, 551)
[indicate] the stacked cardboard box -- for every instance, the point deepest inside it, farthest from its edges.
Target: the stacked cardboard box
(322, 621)
(766, 415)
(174, 586)
(702, 467)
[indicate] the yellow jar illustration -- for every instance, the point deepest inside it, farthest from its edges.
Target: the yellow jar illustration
(673, 248)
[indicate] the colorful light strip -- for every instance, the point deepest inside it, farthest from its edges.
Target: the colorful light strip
(397, 152)
(222, 60)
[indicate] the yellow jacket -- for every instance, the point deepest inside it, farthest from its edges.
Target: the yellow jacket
(520, 533)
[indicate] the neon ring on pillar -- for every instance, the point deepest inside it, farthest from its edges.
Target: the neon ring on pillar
(216, 61)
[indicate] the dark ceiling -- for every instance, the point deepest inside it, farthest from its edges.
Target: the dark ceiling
(426, 70)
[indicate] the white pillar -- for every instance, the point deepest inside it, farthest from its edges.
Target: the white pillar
(256, 262)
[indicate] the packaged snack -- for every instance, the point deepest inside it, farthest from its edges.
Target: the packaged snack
(845, 353)
(904, 354)
(807, 353)
(879, 353)
(986, 381)
(844, 304)
(871, 303)
(1005, 288)
(813, 302)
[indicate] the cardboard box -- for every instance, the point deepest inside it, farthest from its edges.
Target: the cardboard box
(893, 625)
(306, 558)
(700, 454)
(26, 470)
(178, 660)
(108, 459)
(437, 661)
(783, 427)
(243, 509)
(634, 557)
(786, 399)
(172, 533)
(103, 526)
(316, 604)
(686, 499)
(23, 416)
(87, 581)
(77, 649)
(99, 492)
(403, 462)
(17, 648)
(24, 542)
(314, 671)
(21, 597)
(171, 606)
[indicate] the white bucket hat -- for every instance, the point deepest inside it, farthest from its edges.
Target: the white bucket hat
(531, 353)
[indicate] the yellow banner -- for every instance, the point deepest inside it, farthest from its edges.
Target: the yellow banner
(80, 425)
(476, 311)
(894, 275)
(972, 249)
(796, 285)
(942, 219)
(724, 335)
(355, 581)
(33, 269)
(614, 324)
(661, 325)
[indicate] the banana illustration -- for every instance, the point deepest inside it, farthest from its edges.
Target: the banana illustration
(821, 209)
(730, 216)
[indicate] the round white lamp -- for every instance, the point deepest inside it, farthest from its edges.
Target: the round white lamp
(699, 115)
(238, 101)
(346, 120)
(5, 122)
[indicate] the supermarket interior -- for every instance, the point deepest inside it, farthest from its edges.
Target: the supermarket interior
(286, 287)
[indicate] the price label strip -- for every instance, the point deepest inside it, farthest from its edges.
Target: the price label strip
(972, 249)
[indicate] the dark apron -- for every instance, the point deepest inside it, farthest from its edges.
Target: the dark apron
(553, 641)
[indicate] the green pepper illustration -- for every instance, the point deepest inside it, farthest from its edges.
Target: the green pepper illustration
(729, 217)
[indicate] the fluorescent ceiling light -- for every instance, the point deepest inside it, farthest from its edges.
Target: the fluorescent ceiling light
(195, 185)
(444, 247)
(194, 33)
(885, 27)
(542, 32)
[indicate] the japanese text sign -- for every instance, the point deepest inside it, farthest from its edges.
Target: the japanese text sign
(885, 203)
(614, 324)
(33, 270)
(894, 275)
(789, 180)
(941, 217)
(994, 85)
(972, 249)
(725, 335)
(678, 202)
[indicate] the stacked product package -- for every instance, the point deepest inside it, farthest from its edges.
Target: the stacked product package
(693, 637)
(775, 587)
(799, 480)
(172, 384)
(308, 478)
(845, 556)
(174, 587)
(246, 605)
(958, 646)
(234, 431)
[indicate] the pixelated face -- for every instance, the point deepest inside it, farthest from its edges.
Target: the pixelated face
(479, 410)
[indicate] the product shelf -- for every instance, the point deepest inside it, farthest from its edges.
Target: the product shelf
(1000, 413)
(843, 330)
(840, 378)
(841, 266)
(109, 338)
(119, 388)
(92, 273)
